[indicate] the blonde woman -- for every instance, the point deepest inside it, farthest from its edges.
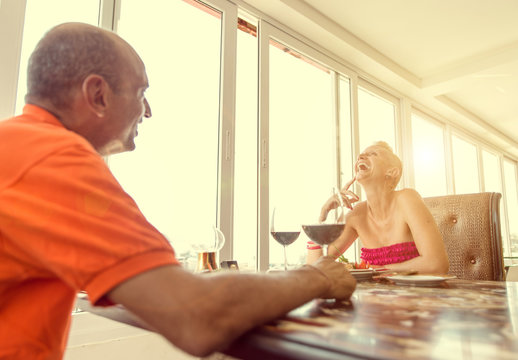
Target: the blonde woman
(396, 229)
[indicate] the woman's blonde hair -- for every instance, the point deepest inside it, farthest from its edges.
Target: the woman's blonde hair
(395, 161)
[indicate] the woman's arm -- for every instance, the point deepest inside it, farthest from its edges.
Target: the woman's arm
(428, 240)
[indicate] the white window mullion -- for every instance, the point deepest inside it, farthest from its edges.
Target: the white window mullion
(406, 144)
(11, 34)
(336, 123)
(481, 177)
(450, 176)
(263, 165)
(355, 126)
(109, 11)
(227, 126)
(355, 134)
(504, 218)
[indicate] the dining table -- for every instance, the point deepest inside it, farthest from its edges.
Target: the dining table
(450, 319)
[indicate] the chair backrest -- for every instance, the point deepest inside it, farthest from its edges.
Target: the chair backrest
(470, 227)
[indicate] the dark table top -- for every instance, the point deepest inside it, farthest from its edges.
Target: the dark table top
(457, 319)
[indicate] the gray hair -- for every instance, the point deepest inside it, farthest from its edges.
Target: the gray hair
(65, 56)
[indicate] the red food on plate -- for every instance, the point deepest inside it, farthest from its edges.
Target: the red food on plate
(362, 265)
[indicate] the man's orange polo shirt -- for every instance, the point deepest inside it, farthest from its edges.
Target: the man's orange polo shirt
(66, 225)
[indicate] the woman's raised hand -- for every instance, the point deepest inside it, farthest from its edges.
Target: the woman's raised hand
(348, 199)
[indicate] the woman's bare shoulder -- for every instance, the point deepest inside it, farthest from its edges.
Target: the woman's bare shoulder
(358, 210)
(408, 194)
(410, 202)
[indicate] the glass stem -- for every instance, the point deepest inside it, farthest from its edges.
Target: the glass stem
(285, 259)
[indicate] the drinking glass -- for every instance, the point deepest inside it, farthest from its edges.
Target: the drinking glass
(326, 232)
(284, 230)
(207, 242)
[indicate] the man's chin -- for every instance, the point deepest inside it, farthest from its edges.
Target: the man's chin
(117, 147)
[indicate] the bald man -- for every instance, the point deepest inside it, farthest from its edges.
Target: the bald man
(66, 225)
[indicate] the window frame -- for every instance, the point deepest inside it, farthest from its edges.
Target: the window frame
(12, 19)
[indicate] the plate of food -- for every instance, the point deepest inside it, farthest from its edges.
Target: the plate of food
(362, 274)
(419, 280)
(361, 271)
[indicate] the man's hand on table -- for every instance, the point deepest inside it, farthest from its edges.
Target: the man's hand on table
(341, 282)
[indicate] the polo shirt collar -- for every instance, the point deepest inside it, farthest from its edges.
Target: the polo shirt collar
(40, 114)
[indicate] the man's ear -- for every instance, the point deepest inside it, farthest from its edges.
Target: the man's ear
(95, 93)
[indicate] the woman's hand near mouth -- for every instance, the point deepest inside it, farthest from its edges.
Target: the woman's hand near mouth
(348, 198)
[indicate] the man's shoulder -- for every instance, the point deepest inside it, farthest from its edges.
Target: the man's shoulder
(23, 144)
(22, 134)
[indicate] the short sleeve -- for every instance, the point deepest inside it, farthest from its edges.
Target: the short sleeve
(69, 218)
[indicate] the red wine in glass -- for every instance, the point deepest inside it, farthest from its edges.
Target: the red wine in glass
(284, 238)
(323, 234)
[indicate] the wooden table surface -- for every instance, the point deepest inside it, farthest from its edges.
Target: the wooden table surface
(457, 319)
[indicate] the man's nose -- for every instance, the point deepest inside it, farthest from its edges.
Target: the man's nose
(147, 111)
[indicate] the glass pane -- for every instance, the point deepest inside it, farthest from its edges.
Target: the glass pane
(492, 180)
(302, 147)
(346, 155)
(245, 165)
(377, 119)
(36, 25)
(429, 164)
(465, 166)
(173, 173)
(346, 164)
(493, 183)
(512, 207)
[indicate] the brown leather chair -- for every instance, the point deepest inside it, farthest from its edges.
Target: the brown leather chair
(470, 227)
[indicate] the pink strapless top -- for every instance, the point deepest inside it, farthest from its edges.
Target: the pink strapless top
(390, 254)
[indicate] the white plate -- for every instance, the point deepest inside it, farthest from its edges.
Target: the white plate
(361, 271)
(362, 274)
(382, 271)
(419, 280)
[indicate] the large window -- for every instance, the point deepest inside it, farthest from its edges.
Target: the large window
(493, 183)
(345, 125)
(429, 159)
(347, 160)
(245, 120)
(377, 117)
(492, 177)
(302, 152)
(173, 173)
(512, 206)
(36, 25)
(465, 166)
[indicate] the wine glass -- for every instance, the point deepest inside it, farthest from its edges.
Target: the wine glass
(326, 232)
(283, 230)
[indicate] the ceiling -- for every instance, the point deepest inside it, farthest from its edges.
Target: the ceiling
(458, 58)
